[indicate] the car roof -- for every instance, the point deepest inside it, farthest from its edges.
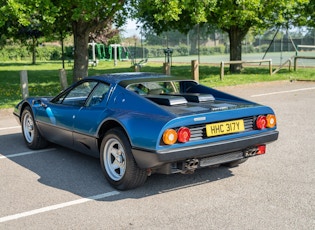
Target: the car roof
(125, 79)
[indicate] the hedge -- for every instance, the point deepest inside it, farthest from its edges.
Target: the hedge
(47, 53)
(18, 53)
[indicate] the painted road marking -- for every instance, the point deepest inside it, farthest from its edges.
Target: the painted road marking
(57, 206)
(280, 92)
(13, 127)
(25, 153)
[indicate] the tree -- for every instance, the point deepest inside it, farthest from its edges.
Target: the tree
(24, 20)
(308, 15)
(84, 17)
(235, 17)
(59, 30)
(88, 16)
(4, 22)
(30, 32)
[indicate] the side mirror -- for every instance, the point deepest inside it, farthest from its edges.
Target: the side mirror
(39, 102)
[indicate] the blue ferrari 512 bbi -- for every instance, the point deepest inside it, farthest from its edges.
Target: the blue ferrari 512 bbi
(144, 123)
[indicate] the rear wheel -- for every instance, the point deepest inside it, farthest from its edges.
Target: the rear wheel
(32, 137)
(118, 163)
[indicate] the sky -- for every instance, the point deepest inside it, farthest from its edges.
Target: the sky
(131, 29)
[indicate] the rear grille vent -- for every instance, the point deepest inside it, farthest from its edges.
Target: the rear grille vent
(198, 132)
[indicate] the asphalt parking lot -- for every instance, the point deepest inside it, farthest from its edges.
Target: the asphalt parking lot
(57, 188)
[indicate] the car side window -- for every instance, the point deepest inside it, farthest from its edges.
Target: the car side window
(97, 95)
(78, 95)
(156, 88)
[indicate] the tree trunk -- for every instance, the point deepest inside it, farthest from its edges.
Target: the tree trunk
(62, 50)
(81, 56)
(236, 35)
(34, 50)
(81, 30)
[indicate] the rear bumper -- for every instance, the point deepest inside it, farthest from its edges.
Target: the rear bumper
(149, 159)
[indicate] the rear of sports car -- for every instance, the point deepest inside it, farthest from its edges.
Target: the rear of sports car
(210, 128)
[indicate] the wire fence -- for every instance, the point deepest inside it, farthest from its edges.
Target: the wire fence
(278, 45)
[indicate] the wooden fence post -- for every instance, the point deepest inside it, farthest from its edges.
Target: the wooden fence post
(195, 70)
(222, 70)
(24, 83)
(137, 67)
(167, 68)
(295, 63)
(63, 78)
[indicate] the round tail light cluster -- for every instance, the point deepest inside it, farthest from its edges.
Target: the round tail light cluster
(266, 121)
(171, 136)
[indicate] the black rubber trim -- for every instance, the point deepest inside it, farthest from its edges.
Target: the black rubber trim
(149, 159)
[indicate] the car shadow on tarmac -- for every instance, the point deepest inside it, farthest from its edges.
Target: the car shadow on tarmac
(80, 174)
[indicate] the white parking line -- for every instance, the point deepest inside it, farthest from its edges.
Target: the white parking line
(13, 127)
(57, 206)
(25, 153)
(280, 92)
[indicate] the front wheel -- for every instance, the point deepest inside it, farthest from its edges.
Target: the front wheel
(32, 137)
(118, 163)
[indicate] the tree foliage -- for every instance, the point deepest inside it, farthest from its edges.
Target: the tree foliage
(58, 16)
(86, 17)
(236, 17)
(308, 15)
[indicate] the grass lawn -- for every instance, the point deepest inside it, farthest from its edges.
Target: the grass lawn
(43, 77)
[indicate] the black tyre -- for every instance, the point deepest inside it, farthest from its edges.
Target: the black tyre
(118, 163)
(32, 137)
(235, 163)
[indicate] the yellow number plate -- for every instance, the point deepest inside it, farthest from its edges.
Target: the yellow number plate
(221, 128)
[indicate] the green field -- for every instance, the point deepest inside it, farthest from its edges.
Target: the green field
(43, 77)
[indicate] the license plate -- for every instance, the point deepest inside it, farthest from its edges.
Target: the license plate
(222, 128)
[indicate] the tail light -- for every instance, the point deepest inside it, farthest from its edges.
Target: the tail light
(171, 136)
(271, 120)
(268, 121)
(183, 134)
(261, 122)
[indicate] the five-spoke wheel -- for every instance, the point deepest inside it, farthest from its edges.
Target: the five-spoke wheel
(32, 136)
(118, 163)
(115, 162)
(28, 127)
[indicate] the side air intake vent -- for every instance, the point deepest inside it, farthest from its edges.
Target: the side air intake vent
(167, 99)
(195, 97)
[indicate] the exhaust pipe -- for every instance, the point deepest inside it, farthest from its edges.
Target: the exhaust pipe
(189, 166)
(258, 150)
(250, 152)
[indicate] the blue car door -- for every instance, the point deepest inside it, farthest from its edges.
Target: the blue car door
(88, 120)
(61, 118)
(57, 116)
